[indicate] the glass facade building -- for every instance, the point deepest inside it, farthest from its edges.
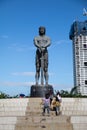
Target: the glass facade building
(78, 35)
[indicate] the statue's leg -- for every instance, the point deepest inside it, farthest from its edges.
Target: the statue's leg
(46, 68)
(37, 73)
(46, 77)
(37, 77)
(37, 68)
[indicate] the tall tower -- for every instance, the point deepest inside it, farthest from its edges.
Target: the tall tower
(78, 35)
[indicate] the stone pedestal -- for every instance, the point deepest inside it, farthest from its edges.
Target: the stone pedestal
(40, 90)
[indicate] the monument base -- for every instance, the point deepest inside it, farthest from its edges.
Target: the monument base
(40, 90)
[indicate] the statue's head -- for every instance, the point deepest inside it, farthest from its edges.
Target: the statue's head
(42, 30)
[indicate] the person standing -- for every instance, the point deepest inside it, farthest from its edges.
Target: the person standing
(55, 104)
(46, 104)
(58, 102)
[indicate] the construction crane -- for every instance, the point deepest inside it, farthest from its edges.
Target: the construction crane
(84, 12)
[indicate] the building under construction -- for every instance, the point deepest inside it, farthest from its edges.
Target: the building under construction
(78, 35)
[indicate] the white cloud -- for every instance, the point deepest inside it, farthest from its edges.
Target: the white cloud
(63, 87)
(27, 74)
(23, 74)
(20, 47)
(55, 43)
(62, 41)
(16, 84)
(28, 84)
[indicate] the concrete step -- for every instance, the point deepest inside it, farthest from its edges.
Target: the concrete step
(40, 122)
(45, 126)
(32, 122)
(74, 113)
(26, 114)
(79, 122)
(46, 119)
(7, 127)
(34, 119)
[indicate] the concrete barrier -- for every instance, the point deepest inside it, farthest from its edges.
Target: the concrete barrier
(74, 106)
(26, 113)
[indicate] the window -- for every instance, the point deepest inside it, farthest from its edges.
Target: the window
(85, 63)
(86, 82)
(84, 28)
(76, 42)
(77, 53)
(85, 45)
(78, 66)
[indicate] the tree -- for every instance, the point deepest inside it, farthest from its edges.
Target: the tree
(3, 95)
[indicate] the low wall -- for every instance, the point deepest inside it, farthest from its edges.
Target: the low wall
(12, 109)
(74, 106)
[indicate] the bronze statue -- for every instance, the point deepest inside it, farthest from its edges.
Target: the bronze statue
(42, 42)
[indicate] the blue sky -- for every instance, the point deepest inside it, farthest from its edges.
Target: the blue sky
(19, 23)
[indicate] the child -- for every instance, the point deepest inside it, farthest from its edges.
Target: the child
(46, 104)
